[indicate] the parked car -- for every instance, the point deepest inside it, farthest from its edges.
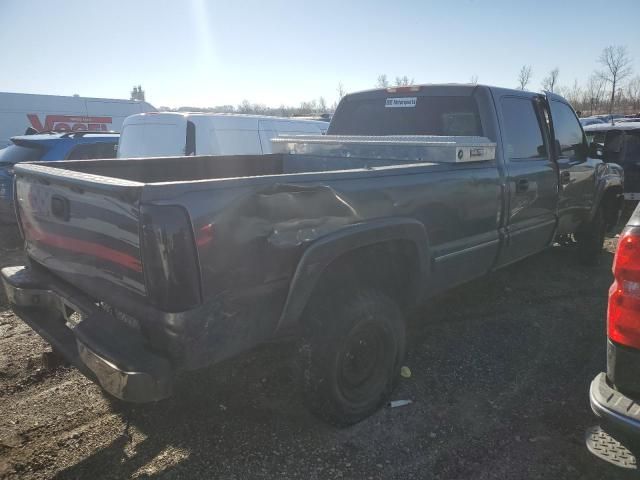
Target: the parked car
(615, 395)
(20, 112)
(177, 134)
(330, 240)
(620, 143)
(48, 147)
(590, 121)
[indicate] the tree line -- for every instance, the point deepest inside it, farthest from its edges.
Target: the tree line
(610, 89)
(313, 107)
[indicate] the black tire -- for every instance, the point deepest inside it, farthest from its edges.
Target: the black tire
(590, 239)
(350, 355)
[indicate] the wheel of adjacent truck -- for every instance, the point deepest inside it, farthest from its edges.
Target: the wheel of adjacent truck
(350, 354)
(590, 239)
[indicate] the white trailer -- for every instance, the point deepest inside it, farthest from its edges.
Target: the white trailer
(21, 111)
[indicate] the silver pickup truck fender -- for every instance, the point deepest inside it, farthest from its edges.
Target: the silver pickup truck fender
(325, 250)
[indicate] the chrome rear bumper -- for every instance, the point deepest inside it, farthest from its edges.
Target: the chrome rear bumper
(103, 348)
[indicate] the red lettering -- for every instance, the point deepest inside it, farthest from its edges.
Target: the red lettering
(35, 122)
(61, 123)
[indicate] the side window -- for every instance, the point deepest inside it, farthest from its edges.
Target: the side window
(89, 151)
(522, 132)
(568, 131)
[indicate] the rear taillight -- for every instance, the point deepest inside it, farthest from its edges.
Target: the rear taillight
(623, 319)
(169, 258)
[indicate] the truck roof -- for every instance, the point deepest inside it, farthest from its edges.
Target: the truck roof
(458, 89)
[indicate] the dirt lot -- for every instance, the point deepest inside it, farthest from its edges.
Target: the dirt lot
(501, 368)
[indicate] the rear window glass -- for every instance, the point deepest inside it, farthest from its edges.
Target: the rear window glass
(92, 150)
(152, 140)
(447, 115)
(17, 153)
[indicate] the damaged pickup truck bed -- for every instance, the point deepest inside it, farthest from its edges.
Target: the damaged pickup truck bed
(141, 269)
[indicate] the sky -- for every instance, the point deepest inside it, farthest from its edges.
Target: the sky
(281, 52)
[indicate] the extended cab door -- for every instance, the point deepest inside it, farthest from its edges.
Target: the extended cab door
(532, 192)
(576, 170)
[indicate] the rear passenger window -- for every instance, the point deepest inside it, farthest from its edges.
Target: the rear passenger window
(522, 133)
(568, 131)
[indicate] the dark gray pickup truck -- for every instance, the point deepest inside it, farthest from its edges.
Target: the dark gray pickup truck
(141, 269)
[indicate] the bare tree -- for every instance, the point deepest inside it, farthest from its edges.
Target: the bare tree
(322, 105)
(340, 90)
(383, 81)
(524, 77)
(617, 67)
(593, 93)
(633, 93)
(473, 80)
(403, 81)
(549, 82)
(137, 93)
(573, 94)
(245, 107)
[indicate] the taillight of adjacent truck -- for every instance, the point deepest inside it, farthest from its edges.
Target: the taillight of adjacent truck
(623, 319)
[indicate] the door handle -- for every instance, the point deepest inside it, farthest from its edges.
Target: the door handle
(522, 185)
(565, 177)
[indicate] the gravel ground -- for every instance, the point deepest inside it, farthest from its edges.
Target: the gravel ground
(500, 372)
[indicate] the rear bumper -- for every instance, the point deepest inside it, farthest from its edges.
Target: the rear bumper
(104, 349)
(619, 412)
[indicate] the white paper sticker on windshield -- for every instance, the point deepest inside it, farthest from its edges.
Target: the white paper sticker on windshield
(406, 102)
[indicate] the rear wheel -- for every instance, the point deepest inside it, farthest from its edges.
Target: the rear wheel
(590, 239)
(350, 355)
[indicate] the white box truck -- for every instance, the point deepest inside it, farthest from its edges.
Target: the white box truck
(21, 111)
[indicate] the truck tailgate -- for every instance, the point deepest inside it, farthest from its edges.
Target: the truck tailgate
(83, 228)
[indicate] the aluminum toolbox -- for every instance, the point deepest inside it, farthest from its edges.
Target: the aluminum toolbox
(406, 148)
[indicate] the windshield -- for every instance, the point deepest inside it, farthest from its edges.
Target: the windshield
(18, 153)
(446, 115)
